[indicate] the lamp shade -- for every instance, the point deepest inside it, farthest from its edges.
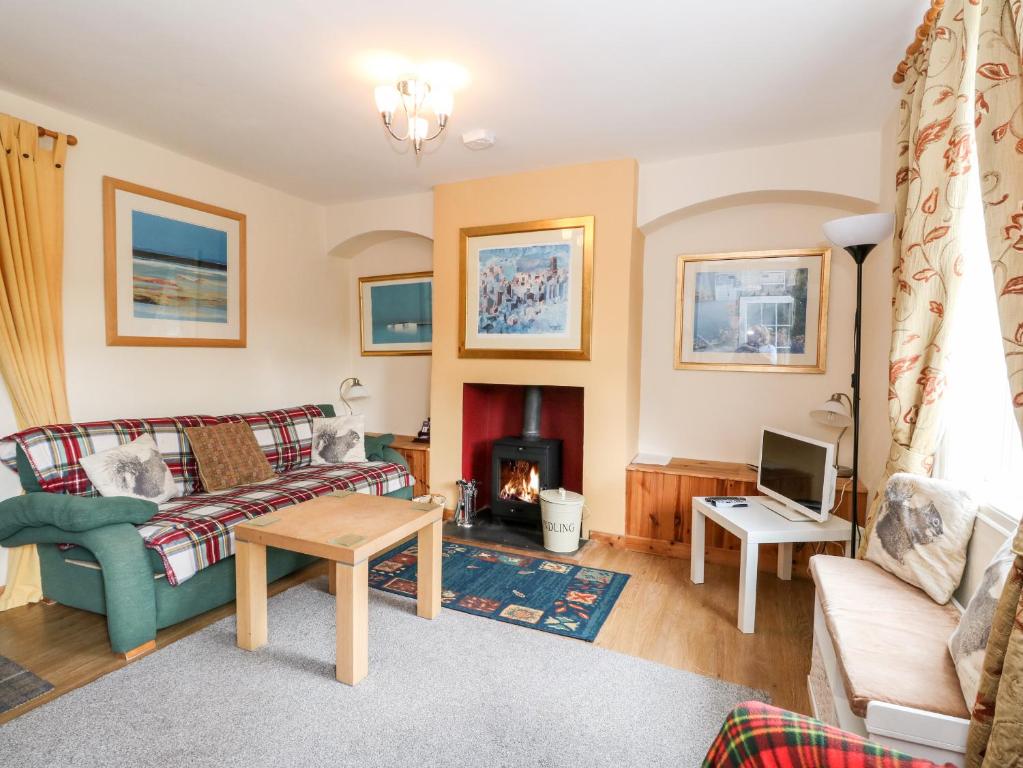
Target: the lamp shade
(869, 229)
(357, 392)
(833, 413)
(387, 98)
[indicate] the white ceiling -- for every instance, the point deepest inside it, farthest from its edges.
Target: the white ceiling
(279, 91)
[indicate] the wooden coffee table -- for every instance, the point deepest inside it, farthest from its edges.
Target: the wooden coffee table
(346, 531)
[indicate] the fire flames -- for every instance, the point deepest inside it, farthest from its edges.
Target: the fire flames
(521, 481)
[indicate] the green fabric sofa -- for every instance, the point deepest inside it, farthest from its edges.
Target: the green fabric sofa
(109, 571)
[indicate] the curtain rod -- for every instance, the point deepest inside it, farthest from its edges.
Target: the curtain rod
(71, 140)
(922, 32)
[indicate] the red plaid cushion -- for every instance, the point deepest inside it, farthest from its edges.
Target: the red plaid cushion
(194, 532)
(285, 435)
(54, 451)
(756, 734)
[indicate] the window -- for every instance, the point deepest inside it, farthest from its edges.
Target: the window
(980, 447)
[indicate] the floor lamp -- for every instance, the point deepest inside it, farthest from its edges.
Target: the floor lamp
(858, 235)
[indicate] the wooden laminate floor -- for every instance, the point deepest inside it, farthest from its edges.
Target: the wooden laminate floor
(661, 616)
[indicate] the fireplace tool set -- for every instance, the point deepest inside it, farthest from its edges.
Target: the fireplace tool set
(465, 511)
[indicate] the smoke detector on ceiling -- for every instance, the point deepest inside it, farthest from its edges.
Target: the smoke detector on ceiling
(478, 139)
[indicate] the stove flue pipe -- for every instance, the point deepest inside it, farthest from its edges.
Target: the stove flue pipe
(531, 413)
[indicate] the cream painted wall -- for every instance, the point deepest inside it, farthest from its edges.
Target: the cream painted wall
(399, 385)
(717, 415)
(877, 324)
(608, 192)
(295, 352)
(836, 165)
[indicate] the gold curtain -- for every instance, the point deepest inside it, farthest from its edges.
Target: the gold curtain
(31, 269)
(996, 727)
(931, 181)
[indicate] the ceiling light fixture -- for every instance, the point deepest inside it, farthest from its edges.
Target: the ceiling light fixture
(418, 99)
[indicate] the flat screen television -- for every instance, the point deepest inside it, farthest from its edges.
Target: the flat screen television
(798, 474)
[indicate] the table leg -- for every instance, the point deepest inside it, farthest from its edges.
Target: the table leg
(748, 585)
(428, 586)
(785, 562)
(332, 577)
(352, 622)
(696, 552)
(250, 591)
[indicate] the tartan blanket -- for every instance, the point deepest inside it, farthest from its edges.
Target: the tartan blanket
(54, 451)
(194, 532)
(756, 735)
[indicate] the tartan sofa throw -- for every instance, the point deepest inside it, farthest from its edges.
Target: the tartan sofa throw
(53, 451)
(757, 735)
(194, 532)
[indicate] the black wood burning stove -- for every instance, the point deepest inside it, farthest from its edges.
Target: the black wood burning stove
(524, 466)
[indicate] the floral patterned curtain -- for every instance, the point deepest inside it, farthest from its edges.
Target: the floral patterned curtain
(962, 115)
(996, 730)
(932, 184)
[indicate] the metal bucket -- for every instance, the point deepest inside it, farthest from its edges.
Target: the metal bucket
(562, 513)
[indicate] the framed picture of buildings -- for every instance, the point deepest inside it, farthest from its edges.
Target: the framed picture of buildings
(754, 311)
(396, 314)
(174, 269)
(526, 290)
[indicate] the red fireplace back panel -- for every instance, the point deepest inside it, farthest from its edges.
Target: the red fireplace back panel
(493, 411)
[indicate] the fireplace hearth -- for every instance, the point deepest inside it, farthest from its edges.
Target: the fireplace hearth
(517, 441)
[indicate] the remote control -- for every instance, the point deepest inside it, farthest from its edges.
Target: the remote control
(727, 502)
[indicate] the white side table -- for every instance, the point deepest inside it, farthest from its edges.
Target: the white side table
(756, 525)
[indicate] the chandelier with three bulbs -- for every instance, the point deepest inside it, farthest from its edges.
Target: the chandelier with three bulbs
(418, 100)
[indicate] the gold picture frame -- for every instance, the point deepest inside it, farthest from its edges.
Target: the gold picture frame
(571, 286)
(369, 348)
(185, 300)
(767, 323)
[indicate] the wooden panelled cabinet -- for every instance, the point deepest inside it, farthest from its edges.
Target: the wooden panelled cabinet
(418, 457)
(658, 514)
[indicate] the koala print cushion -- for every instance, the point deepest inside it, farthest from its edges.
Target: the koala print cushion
(921, 533)
(968, 643)
(134, 469)
(339, 440)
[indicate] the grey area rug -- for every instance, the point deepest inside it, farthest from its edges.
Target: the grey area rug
(455, 691)
(18, 685)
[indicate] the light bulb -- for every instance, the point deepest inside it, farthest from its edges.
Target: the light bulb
(387, 98)
(442, 100)
(418, 128)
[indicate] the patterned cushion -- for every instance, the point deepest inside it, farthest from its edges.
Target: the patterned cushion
(54, 451)
(194, 532)
(228, 455)
(285, 435)
(339, 440)
(968, 643)
(134, 470)
(921, 534)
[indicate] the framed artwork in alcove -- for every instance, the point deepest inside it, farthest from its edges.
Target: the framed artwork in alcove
(396, 314)
(754, 311)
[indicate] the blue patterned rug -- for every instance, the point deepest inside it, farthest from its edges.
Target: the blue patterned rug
(532, 592)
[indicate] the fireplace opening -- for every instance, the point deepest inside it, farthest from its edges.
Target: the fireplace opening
(518, 441)
(520, 481)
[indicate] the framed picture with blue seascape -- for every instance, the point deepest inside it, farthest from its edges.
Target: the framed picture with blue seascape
(526, 290)
(396, 314)
(174, 269)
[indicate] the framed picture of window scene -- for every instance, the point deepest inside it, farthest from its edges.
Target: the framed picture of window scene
(527, 290)
(174, 269)
(396, 314)
(755, 311)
